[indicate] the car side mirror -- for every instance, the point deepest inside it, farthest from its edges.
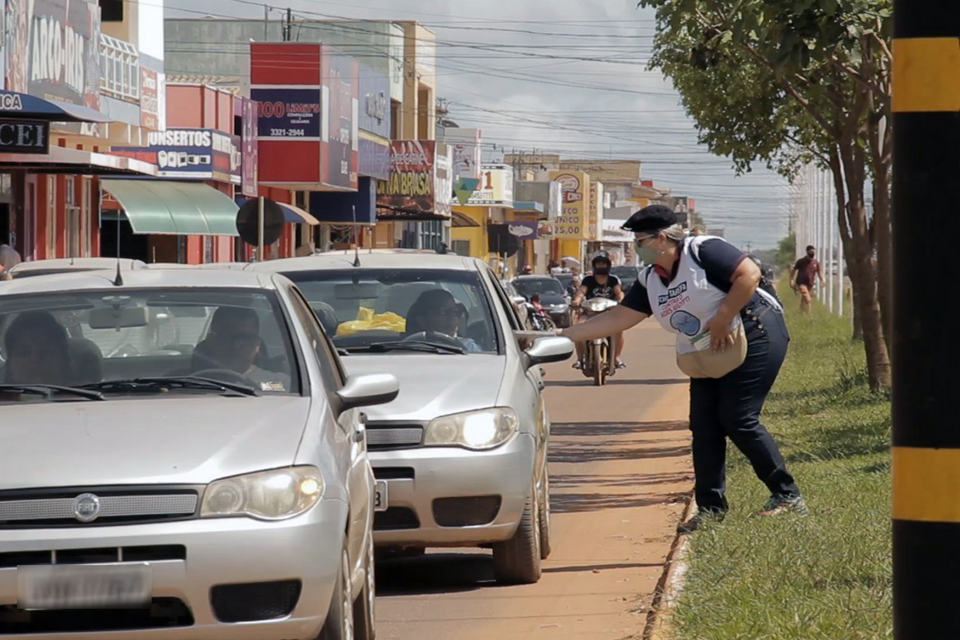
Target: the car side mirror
(549, 349)
(367, 391)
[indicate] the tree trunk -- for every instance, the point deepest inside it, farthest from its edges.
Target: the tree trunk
(848, 165)
(881, 221)
(855, 309)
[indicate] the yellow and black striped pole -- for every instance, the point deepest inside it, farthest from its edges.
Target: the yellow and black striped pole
(926, 415)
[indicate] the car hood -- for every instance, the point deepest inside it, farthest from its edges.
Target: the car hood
(190, 440)
(433, 385)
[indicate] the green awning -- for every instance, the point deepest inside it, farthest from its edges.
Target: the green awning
(175, 208)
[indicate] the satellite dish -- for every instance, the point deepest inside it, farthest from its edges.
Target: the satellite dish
(248, 223)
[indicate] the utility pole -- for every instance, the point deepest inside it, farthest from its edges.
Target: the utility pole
(288, 25)
(926, 434)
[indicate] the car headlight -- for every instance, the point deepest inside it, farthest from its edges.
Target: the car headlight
(268, 495)
(559, 307)
(476, 430)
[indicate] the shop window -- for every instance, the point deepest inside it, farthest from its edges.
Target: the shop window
(120, 61)
(461, 247)
(111, 10)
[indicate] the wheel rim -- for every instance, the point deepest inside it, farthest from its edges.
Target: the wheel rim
(546, 500)
(536, 519)
(347, 617)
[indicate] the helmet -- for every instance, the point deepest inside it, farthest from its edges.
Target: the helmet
(601, 258)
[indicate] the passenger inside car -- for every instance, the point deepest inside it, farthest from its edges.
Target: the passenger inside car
(437, 311)
(37, 350)
(233, 344)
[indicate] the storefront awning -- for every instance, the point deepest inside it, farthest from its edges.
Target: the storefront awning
(175, 208)
(66, 160)
(462, 220)
(28, 107)
(296, 215)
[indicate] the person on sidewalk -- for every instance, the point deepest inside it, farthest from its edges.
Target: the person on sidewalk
(706, 291)
(600, 284)
(804, 275)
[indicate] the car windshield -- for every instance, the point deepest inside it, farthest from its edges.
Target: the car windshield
(97, 339)
(402, 310)
(529, 286)
(625, 273)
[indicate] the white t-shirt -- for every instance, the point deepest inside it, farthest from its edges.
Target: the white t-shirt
(9, 257)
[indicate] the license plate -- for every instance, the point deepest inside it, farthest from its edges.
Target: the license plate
(380, 496)
(83, 586)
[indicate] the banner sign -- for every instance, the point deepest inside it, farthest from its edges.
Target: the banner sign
(54, 50)
(496, 187)
(465, 144)
(288, 113)
(24, 136)
(374, 159)
(575, 192)
(420, 182)
(149, 99)
(249, 175)
(199, 154)
(340, 81)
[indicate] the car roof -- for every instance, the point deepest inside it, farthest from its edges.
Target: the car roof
(377, 260)
(535, 277)
(126, 264)
(143, 278)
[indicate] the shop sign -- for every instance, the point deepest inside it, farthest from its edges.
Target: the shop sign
(374, 102)
(54, 50)
(340, 78)
(421, 179)
(496, 187)
(288, 113)
(374, 159)
(149, 99)
(199, 154)
(24, 136)
(465, 144)
(575, 188)
(524, 229)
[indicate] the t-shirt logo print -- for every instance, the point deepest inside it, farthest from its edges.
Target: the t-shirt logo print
(685, 322)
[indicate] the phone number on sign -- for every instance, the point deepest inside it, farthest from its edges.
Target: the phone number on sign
(287, 133)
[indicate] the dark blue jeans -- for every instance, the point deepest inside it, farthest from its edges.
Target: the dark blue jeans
(729, 407)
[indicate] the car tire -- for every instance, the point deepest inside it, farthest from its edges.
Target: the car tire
(517, 560)
(364, 609)
(544, 519)
(339, 624)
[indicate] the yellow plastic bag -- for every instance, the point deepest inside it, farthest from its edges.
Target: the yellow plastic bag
(367, 320)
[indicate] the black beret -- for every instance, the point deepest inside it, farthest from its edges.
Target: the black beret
(652, 218)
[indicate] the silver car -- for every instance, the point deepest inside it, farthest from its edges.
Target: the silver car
(212, 483)
(460, 456)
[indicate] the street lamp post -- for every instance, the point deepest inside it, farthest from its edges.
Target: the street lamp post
(926, 433)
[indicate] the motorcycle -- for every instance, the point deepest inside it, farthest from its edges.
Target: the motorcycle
(600, 360)
(538, 319)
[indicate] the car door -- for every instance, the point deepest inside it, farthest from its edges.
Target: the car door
(360, 483)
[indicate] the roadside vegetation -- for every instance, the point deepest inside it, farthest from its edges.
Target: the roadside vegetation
(825, 576)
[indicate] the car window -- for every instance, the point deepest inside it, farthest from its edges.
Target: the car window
(505, 303)
(364, 309)
(330, 369)
(529, 286)
(96, 337)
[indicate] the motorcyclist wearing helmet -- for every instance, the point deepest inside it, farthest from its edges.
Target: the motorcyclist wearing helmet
(600, 284)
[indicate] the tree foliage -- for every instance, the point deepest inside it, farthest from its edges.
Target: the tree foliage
(789, 83)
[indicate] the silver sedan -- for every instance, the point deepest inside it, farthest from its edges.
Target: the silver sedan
(210, 482)
(460, 456)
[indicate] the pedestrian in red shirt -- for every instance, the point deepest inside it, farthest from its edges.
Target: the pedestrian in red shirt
(804, 275)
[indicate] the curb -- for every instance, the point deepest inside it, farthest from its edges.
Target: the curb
(670, 583)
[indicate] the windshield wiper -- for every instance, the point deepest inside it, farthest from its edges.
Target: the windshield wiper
(413, 345)
(159, 383)
(48, 390)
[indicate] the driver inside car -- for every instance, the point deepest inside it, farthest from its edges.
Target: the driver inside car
(437, 311)
(233, 344)
(37, 350)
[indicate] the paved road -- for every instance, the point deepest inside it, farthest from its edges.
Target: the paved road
(620, 475)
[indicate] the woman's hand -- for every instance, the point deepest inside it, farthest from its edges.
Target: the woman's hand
(721, 336)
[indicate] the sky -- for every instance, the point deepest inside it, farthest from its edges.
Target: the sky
(567, 76)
